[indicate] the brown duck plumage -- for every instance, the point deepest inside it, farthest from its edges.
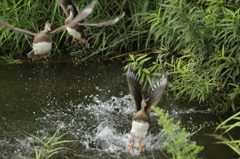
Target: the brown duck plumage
(43, 36)
(75, 23)
(141, 119)
(42, 41)
(71, 10)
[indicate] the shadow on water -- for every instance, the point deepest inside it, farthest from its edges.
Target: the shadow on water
(93, 102)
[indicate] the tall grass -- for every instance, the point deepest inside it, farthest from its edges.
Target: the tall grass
(232, 123)
(47, 146)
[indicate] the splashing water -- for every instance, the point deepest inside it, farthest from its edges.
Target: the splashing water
(103, 125)
(90, 101)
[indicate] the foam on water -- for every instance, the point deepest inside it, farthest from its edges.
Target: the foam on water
(104, 126)
(110, 140)
(109, 135)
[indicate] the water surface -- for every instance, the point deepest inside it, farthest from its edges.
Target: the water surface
(91, 101)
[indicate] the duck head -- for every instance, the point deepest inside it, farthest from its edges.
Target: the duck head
(47, 27)
(69, 8)
(143, 104)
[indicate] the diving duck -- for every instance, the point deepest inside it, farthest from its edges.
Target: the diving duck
(141, 119)
(75, 28)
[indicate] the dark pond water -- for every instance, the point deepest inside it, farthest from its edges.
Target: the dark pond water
(91, 101)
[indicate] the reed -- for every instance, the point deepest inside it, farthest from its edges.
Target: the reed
(226, 126)
(47, 146)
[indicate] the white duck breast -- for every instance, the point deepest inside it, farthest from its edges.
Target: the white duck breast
(74, 33)
(42, 47)
(139, 129)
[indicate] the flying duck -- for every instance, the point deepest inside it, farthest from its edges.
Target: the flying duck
(75, 28)
(141, 119)
(71, 11)
(42, 41)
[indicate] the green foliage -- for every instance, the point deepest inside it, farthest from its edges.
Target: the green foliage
(143, 73)
(146, 76)
(231, 123)
(48, 145)
(198, 43)
(8, 60)
(178, 143)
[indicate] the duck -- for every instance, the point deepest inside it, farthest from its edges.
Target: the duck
(75, 29)
(71, 11)
(141, 118)
(42, 41)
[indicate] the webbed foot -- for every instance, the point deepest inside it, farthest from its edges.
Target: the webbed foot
(131, 147)
(141, 148)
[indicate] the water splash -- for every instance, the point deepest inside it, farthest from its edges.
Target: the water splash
(104, 126)
(107, 138)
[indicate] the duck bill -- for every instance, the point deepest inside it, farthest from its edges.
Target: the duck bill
(49, 28)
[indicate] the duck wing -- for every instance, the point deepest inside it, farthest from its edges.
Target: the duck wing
(82, 15)
(156, 93)
(58, 29)
(134, 87)
(26, 32)
(106, 23)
